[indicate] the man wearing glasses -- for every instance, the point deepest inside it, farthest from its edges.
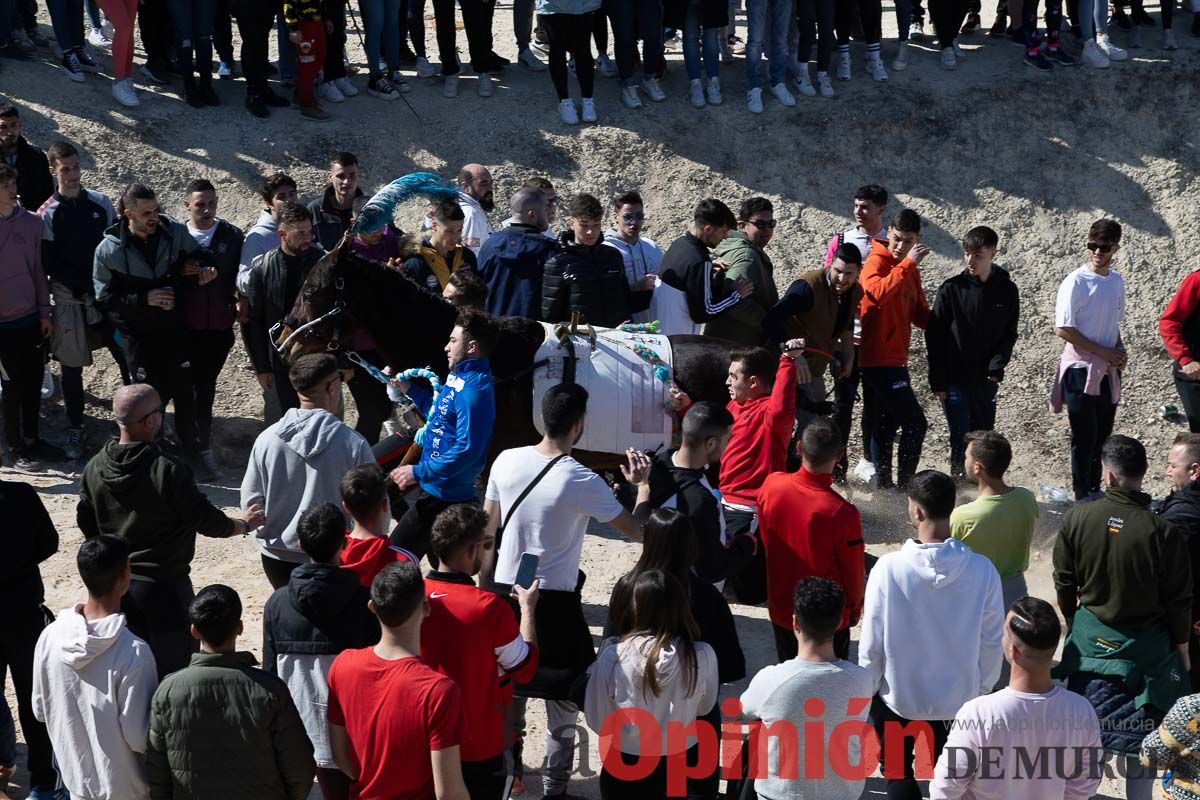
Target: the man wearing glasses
(744, 256)
(641, 256)
(1087, 316)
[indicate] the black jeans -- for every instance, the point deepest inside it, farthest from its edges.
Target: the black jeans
(485, 779)
(157, 612)
(72, 377)
(278, 572)
(22, 359)
(815, 21)
(948, 16)
(570, 32)
(209, 349)
(968, 408)
(903, 786)
(223, 31)
(412, 531)
(477, 19)
(154, 25)
(1189, 398)
(845, 393)
(19, 633)
(1091, 418)
(749, 584)
(786, 646)
(370, 397)
(869, 13)
(897, 408)
(254, 26)
(636, 21)
(160, 358)
(335, 43)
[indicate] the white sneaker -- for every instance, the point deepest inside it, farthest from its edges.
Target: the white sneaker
(607, 67)
(900, 62)
(1093, 56)
(566, 111)
(714, 91)
(346, 87)
(804, 82)
(424, 68)
(1113, 52)
(916, 30)
(629, 96)
(697, 94)
(1169, 42)
(875, 67)
(527, 58)
(485, 85)
(653, 90)
(824, 84)
(588, 113)
(96, 38)
(754, 101)
(124, 93)
(948, 59)
(450, 86)
(843, 67)
(329, 91)
(783, 95)
(864, 470)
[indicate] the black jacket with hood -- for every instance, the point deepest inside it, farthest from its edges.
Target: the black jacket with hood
(322, 611)
(29, 539)
(1182, 508)
(34, 184)
(590, 280)
(149, 499)
(972, 329)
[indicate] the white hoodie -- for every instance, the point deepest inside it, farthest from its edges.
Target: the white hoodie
(295, 464)
(92, 684)
(641, 259)
(933, 618)
(616, 680)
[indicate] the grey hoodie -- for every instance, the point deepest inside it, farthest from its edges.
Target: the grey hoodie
(92, 684)
(298, 463)
(262, 238)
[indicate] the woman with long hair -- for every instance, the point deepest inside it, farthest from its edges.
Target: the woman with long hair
(659, 668)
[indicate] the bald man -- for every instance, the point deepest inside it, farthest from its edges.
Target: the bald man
(134, 489)
(512, 259)
(475, 197)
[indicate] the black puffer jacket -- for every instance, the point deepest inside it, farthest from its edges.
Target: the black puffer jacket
(322, 611)
(590, 280)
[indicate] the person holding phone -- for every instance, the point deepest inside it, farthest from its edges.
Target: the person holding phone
(540, 500)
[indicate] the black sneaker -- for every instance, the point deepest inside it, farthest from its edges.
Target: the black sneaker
(407, 57)
(71, 66)
(1038, 61)
(1056, 55)
(999, 27)
(44, 451)
(379, 86)
(206, 93)
(1121, 19)
(276, 100)
(257, 107)
(86, 61)
(1140, 17)
(154, 73)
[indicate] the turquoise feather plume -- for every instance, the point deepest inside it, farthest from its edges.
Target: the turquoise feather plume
(379, 209)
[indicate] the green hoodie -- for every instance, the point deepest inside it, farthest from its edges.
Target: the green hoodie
(138, 492)
(744, 259)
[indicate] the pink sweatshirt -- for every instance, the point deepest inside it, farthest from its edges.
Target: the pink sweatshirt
(23, 287)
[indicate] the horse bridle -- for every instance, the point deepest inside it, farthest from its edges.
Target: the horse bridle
(337, 314)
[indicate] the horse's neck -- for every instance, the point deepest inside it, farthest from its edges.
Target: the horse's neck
(410, 328)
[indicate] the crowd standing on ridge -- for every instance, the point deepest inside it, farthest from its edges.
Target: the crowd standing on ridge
(315, 69)
(378, 682)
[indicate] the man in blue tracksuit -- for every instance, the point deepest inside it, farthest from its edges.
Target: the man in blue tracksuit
(454, 442)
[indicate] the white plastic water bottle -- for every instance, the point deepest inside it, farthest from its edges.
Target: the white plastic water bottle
(1054, 494)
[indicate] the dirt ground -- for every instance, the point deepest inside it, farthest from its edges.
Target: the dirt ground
(1036, 156)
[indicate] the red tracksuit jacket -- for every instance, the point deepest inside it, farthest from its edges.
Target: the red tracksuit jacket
(762, 428)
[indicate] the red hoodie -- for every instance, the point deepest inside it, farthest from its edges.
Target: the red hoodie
(762, 428)
(367, 557)
(809, 530)
(1174, 321)
(893, 301)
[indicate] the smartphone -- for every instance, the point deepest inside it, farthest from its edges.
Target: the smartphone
(527, 570)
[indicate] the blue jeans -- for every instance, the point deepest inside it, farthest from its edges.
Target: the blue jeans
(692, 36)
(634, 21)
(968, 408)
(1093, 18)
(381, 18)
(193, 21)
(287, 53)
(66, 16)
(767, 29)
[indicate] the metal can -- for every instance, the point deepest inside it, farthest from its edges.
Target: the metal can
(1168, 411)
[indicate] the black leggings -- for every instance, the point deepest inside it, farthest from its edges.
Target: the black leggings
(571, 32)
(600, 32)
(869, 13)
(815, 22)
(22, 359)
(948, 16)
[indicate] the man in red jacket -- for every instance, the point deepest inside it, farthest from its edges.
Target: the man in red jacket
(762, 400)
(808, 530)
(1180, 332)
(892, 303)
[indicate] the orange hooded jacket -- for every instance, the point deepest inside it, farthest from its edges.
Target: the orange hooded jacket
(893, 301)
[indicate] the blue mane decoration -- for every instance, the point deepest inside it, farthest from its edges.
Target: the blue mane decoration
(379, 209)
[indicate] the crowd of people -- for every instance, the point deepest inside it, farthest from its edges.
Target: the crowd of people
(378, 682)
(179, 40)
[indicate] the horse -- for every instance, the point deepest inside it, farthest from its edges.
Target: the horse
(345, 292)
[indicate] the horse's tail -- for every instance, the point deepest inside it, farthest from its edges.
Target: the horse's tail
(379, 209)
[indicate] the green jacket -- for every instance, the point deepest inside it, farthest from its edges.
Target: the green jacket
(1125, 564)
(221, 728)
(744, 322)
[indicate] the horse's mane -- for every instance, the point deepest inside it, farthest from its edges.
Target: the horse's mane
(386, 280)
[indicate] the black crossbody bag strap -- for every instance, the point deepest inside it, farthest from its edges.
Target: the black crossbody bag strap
(521, 497)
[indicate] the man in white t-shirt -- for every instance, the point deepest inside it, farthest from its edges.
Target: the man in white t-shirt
(1087, 316)
(1031, 739)
(539, 500)
(782, 694)
(641, 256)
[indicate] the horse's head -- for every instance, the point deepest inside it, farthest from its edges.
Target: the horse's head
(319, 319)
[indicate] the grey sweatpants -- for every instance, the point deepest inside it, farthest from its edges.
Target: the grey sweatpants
(562, 718)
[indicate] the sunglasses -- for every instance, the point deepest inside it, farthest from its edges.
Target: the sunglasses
(1097, 247)
(632, 218)
(763, 223)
